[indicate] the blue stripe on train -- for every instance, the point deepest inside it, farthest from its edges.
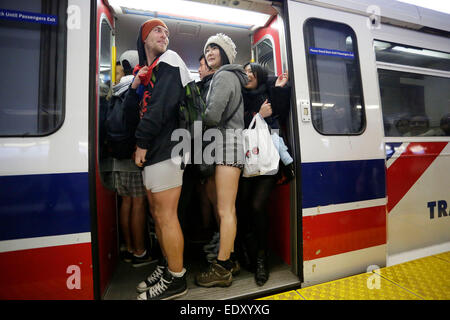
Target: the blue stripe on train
(326, 183)
(44, 205)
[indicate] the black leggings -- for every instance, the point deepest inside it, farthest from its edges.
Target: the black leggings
(253, 217)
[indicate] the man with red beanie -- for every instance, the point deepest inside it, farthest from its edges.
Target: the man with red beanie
(153, 101)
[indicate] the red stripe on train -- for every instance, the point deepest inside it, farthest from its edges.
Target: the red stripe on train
(47, 273)
(334, 233)
(408, 168)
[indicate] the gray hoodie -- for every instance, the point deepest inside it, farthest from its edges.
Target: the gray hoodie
(224, 97)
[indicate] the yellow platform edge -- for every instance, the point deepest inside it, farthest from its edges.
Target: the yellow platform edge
(289, 295)
(443, 256)
(428, 278)
(421, 279)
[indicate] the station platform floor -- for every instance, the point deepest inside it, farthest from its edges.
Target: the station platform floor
(422, 279)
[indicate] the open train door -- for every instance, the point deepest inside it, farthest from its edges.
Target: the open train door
(102, 195)
(342, 170)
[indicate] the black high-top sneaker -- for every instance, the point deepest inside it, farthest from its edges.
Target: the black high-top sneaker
(153, 278)
(168, 287)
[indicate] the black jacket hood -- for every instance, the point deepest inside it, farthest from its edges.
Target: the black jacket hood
(141, 49)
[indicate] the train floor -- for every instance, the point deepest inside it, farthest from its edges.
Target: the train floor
(421, 279)
(126, 277)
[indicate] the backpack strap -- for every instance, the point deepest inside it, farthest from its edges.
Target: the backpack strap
(232, 115)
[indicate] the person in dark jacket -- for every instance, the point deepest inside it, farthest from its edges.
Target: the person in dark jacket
(156, 91)
(271, 99)
(206, 73)
(128, 177)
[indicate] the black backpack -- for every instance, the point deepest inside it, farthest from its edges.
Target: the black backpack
(120, 139)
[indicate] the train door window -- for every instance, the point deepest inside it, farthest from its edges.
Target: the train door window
(104, 88)
(414, 104)
(334, 77)
(264, 55)
(32, 64)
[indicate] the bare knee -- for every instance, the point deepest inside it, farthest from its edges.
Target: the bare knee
(164, 213)
(227, 214)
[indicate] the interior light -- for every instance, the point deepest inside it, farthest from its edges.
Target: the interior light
(423, 52)
(380, 45)
(348, 40)
(190, 10)
(325, 105)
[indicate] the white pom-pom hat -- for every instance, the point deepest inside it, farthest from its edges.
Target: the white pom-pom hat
(225, 43)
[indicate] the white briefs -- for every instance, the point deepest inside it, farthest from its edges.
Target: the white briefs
(163, 175)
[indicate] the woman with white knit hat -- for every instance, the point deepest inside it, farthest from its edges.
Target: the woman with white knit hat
(225, 111)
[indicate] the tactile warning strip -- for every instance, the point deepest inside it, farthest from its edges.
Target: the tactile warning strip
(290, 295)
(443, 256)
(427, 277)
(367, 286)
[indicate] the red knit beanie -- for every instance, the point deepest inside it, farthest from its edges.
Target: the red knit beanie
(148, 26)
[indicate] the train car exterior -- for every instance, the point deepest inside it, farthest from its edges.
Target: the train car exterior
(368, 192)
(361, 205)
(45, 209)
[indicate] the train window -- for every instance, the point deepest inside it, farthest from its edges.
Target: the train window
(334, 78)
(264, 55)
(414, 104)
(411, 56)
(32, 64)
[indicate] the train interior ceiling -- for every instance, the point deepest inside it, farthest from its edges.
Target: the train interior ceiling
(189, 31)
(188, 34)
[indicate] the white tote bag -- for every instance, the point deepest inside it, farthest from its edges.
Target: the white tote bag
(261, 157)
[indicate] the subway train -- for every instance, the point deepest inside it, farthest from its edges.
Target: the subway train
(368, 130)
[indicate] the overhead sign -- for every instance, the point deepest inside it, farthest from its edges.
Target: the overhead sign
(28, 17)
